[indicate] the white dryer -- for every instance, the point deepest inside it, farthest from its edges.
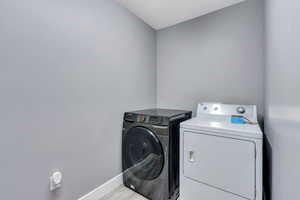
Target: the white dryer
(221, 154)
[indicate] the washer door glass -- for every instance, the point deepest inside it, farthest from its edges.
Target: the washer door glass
(143, 153)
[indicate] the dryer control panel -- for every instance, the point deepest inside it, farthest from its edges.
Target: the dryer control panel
(247, 111)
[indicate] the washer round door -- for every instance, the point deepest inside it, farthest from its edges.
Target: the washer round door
(143, 155)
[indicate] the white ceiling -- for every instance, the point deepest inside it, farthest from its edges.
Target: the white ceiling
(163, 13)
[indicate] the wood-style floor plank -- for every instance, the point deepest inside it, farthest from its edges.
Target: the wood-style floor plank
(123, 193)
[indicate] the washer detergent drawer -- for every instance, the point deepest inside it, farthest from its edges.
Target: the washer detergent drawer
(223, 163)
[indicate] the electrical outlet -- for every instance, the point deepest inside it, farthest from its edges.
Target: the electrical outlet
(55, 181)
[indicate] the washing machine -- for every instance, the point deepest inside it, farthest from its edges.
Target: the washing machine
(221, 154)
(150, 152)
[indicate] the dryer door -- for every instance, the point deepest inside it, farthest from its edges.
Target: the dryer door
(223, 163)
(143, 154)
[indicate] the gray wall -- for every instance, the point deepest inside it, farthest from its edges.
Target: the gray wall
(68, 71)
(217, 57)
(282, 117)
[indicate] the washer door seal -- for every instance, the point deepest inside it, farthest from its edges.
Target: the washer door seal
(143, 154)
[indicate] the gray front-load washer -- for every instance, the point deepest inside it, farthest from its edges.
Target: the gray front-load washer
(150, 152)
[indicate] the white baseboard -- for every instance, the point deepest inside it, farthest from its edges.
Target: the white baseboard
(104, 189)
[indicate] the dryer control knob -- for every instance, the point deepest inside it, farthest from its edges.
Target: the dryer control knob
(241, 110)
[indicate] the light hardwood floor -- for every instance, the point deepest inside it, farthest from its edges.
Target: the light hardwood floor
(123, 193)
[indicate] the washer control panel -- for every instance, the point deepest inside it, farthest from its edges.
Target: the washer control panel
(155, 120)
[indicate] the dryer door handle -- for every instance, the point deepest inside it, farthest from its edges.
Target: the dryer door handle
(191, 156)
